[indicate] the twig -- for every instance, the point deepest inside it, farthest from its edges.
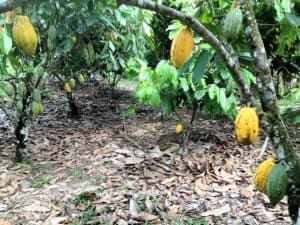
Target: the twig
(131, 141)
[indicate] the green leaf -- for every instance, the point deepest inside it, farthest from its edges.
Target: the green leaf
(199, 94)
(184, 84)
(296, 119)
(6, 42)
(166, 105)
(81, 28)
(293, 19)
(128, 111)
(225, 74)
(166, 75)
(248, 77)
(67, 45)
(213, 91)
(147, 93)
(200, 67)
(223, 100)
(187, 65)
(91, 20)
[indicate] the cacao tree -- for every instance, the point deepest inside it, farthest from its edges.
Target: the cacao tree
(89, 43)
(23, 78)
(267, 103)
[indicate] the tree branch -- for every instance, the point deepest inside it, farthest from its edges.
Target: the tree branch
(7, 5)
(229, 57)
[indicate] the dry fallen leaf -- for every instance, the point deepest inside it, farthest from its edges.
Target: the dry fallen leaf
(217, 212)
(97, 151)
(59, 220)
(169, 181)
(4, 222)
(149, 204)
(145, 217)
(200, 188)
(247, 192)
(133, 207)
(173, 211)
(133, 160)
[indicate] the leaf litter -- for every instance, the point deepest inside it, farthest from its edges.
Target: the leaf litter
(102, 169)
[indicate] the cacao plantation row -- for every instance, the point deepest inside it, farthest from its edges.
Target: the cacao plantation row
(186, 59)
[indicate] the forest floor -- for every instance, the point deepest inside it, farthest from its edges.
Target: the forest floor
(104, 169)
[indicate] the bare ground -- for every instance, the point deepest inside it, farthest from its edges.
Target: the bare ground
(104, 169)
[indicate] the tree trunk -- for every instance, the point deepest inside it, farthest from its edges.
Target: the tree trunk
(74, 109)
(21, 133)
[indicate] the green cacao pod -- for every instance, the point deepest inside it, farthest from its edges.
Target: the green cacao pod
(72, 83)
(277, 182)
(246, 126)
(36, 95)
(22, 89)
(24, 35)
(80, 79)
(233, 23)
(41, 109)
(10, 103)
(91, 52)
(52, 33)
(19, 106)
(262, 173)
(9, 89)
(35, 108)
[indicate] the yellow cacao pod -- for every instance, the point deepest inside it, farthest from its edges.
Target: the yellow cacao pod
(68, 88)
(261, 174)
(246, 126)
(182, 47)
(179, 128)
(24, 35)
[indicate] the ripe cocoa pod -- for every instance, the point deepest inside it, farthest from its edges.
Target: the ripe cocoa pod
(246, 126)
(262, 173)
(24, 35)
(182, 47)
(67, 88)
(179, 128)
